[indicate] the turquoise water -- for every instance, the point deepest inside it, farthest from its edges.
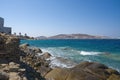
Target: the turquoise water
(103, 51)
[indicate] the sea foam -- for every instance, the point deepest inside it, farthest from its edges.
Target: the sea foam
(61, 62)
(89, 53)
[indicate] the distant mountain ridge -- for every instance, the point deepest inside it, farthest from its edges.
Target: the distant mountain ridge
(73, 36)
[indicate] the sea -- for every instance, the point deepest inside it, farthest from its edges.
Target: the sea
(70, 52)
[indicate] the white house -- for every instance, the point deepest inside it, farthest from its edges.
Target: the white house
(4, 29)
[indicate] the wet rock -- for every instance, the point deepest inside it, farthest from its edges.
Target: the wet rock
(112, 71)
(37, 50)
(46, 55)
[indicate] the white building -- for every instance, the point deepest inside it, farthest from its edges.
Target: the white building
(4, 29)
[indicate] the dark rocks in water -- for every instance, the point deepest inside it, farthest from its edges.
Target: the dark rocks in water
(84, 71)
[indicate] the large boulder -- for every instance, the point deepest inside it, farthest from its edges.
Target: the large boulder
(57, 74)
(84, 71)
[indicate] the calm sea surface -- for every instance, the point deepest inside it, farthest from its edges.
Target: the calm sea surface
(103, 51)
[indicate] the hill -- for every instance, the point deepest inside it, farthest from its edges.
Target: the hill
(73, 36)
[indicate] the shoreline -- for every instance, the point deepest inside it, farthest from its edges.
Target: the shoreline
(23, 60)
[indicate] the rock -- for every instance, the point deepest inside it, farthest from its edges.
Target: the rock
(21, 70)
(111, 71)
(83, 71)
(14, 64)
(114, 77)
(27, 50)
(57, 74)
(4, 76)
(46, 55)
(43, 70)
(12, 45)
(91, 65)
(36, 50)
(11, 63)
(14, 76)
(24, 46)
(3, 65)
(9, 47)
(24, 78)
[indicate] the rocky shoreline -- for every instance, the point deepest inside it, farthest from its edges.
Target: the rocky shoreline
(21, 62)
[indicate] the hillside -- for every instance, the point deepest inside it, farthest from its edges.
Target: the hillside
(73, 36)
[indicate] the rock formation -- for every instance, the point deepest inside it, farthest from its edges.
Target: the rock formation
(84, 71)
(9, 47)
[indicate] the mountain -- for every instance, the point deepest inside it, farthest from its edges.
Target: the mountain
(73, 36)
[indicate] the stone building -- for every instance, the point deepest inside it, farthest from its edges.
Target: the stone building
(4, 29)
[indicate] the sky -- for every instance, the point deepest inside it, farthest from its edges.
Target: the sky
(51, 17)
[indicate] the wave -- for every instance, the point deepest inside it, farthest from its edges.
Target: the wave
(61, 62)
(68, 57)
(90, 53)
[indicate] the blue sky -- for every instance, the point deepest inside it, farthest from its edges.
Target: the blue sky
(51, 17)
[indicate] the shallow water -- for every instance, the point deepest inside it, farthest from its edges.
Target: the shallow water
(103, 51)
